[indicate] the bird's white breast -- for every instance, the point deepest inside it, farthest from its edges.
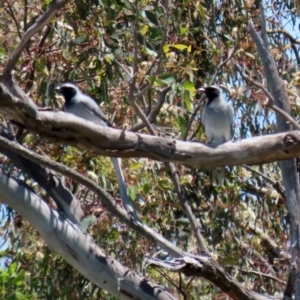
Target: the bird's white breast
(217, 122)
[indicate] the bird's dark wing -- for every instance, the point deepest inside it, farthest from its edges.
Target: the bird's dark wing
(230, 114)
(93, 107)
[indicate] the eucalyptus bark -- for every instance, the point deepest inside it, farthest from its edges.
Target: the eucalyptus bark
(288, 167)
(78, 249)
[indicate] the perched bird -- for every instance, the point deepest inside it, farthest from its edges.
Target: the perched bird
(217, 118)
(83, 106)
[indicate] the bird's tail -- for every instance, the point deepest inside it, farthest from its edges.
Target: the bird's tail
(218, 176)
(123, 190)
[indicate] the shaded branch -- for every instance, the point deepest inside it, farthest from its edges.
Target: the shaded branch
(195, 224)
(51, 183)
(155, 111)
(254, 254)
(104, 197)
(286, 33)
(207, 268)
(290, 285)
(260, 274)
(268, 243)
(261, 191)
(78, 249)
(30, 76)
(11, 13)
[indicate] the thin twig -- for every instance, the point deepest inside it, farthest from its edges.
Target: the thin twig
(286, 33)
(159, 56)
(11, 13)
(262, 275)
(254, 254)
(123, 68)
(43, 20)
(271, 102)
(292, 40)
(39, 52)
(25, 14)
(257, 84)
(155, 111)
(135, 57)
(147, 73)
(195, 224)
(259, 174)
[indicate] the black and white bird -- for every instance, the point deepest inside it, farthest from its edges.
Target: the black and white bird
(83, 106)
(217, 119)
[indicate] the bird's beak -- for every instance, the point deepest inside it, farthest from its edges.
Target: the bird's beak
(201, 90)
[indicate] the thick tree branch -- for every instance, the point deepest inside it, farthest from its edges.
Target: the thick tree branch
(207, 268)
(288, 167)
(104, 197)
(68, 129)
(78, 249)
(52, 184)
(83, 254)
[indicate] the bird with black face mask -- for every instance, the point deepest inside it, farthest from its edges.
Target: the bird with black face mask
(83, 106)
(217, 119)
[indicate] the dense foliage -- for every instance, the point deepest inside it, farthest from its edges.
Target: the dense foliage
(104, 45)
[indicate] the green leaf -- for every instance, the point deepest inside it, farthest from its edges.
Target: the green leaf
(147, 188)
(167, 78)
(132, 192)
(166, 48)
(87, 78)
(189, 86)
(182, 124)
(12, 268)
(164, 184)
(109, 58)
(78, 40)
(136, 166)
(187, 101)
(202, 12)
(180, 46)
(19, 279)
(151, 17)
(182, 30)
(230, 260)
(140, 38)
(182, 221)
(144, 29)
